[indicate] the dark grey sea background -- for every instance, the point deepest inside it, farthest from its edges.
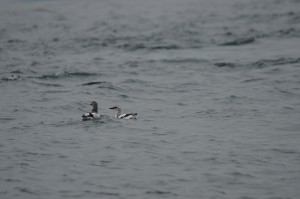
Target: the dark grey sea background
(215, 83)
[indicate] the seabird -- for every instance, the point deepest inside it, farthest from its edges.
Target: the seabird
(120, 115)
(93, 114)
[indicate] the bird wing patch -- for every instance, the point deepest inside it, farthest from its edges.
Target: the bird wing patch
(128, 116)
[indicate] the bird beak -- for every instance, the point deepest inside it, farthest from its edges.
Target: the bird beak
(111, 108)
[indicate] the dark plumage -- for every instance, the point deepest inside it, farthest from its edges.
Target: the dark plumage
(93, 114)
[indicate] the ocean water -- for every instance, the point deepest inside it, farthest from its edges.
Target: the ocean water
(216, 85)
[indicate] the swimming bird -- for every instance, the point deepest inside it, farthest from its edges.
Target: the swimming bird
(92, 115)
(121, 115)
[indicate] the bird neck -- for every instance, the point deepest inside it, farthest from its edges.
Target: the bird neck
(118, 112)
(95, 108)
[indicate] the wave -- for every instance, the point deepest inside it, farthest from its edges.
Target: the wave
(227, 64)
(181, 60)
(135, 81)
(66, 74)
(103, 84)
(130, 43)
(252, 80)
(5, 119)
(11, 78)
(93, 83)
(275, 62)
(261, 63)
(60, 75)
(159, 192)
(47, 84)
(144, 46)
(26, 190)
(17, 72)
(239, 42)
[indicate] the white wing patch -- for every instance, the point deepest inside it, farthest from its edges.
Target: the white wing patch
(128, 116)
(89, 116)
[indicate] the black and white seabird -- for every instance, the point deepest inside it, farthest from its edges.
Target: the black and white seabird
(93, 114)
(121, 115)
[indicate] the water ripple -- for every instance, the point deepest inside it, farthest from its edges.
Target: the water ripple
(62, 75)
(239, 41)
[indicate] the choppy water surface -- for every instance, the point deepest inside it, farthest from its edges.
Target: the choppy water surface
(216, 85)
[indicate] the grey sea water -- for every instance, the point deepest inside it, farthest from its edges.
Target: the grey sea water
(216, 85)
